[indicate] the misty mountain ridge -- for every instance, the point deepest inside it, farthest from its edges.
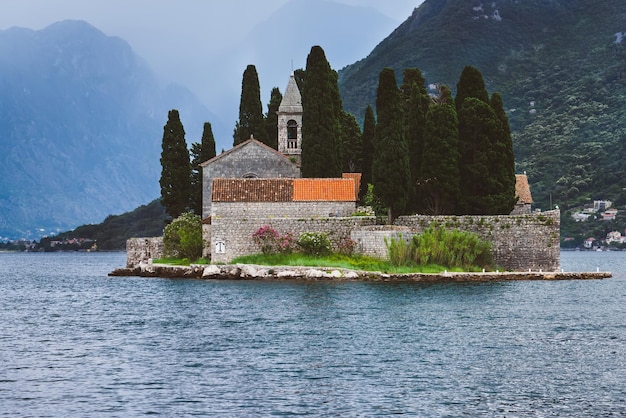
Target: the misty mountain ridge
(80, 128)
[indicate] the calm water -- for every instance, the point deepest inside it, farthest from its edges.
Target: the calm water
(74, 342)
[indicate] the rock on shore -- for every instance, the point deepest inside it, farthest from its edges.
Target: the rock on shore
(256, 272)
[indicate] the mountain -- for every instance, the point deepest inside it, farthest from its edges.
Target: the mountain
(559, 65)
(112, 233)
(81, 122)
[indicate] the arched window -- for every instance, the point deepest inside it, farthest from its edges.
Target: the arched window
(292, 134)
(250, 176)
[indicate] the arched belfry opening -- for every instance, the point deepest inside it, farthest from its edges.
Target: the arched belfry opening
(290, 122)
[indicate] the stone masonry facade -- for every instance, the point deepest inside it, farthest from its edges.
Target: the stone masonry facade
(520, 242)
(235, 233)
(142, 250)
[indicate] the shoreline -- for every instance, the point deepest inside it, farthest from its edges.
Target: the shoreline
(279, 273)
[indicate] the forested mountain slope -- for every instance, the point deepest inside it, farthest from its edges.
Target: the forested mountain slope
(559, 65)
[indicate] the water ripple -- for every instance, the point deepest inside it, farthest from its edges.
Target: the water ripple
(74, 342)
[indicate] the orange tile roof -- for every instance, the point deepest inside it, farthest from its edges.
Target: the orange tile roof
(357, 181)
(252, 190)
(522, 189)
(324, 190)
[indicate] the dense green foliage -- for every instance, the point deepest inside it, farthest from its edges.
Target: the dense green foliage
(390, 167)
(175, 178)
(271, 118)
(439, 181)
(415, 102)
(351, 144)
(486, 152)
(200, 152)
(368, 138)
(315, 243)
(451, 249)
(251, 119)
(183, 237)
(560, 70)
(145, 221)
(321, 129)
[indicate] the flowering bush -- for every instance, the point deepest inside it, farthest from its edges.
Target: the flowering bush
(347, 246)
(315, 243)
(271, 242)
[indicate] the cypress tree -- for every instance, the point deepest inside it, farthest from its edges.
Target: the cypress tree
(271, 118)
(175, 178)
(415, 102)
(321, 130)
(471, 84)
(251, 120)
(368, 138)
(503, 159)
(478, 124)
(439, 180)
(390, 168)
(200, 152)
(352, 150)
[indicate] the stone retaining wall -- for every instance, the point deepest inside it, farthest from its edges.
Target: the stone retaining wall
(140, 250)
(248, 210)
(232, 237)
(520, 242)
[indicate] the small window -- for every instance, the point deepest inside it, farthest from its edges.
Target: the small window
(292, 134)
(250, 176)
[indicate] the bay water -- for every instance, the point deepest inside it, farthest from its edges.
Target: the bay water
(75, 342)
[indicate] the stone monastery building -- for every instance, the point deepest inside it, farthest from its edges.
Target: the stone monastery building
(253, 185)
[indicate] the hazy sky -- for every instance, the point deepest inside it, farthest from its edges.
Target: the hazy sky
(174, 37)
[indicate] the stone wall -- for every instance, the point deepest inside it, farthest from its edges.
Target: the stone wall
(232, 237)
(246, 210)
(520, 242)
(140, 250)
(370, 240)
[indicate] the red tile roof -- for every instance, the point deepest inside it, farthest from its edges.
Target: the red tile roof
(252, 190)
(283, 190)
(324, 190)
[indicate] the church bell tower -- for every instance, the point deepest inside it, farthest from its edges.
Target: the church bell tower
(290, 122)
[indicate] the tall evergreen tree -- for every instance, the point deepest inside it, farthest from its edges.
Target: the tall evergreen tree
(200, 152)
(175, 178)
(478, 125)
(251, 120)
(439, 182)
(271, 118)
(390, 169)
(352, 149)
(503, 159)
(471, 84)
(368, 138)
(415, 102)
(321, 130)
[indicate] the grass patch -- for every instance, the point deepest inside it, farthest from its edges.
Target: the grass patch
(179, 261)
(354, 262)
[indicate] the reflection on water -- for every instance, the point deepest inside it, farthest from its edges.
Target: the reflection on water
(74, 342)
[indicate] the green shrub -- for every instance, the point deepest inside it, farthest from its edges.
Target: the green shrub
(400, 251)
(451, 248)
(183, 237)
(315, 243)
